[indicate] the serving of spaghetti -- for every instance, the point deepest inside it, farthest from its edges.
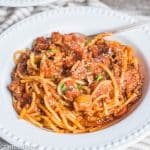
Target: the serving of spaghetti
(72, 84)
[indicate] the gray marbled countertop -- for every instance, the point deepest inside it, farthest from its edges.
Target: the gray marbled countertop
(138, 7)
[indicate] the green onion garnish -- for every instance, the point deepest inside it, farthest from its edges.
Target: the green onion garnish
(52, 50)
(63, 87)
(99, 77)
(79, 86)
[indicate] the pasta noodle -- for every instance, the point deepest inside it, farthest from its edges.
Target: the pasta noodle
(72, 84)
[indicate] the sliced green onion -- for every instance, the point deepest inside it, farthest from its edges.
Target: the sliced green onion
(98, 77)
(79, 86)
(52, 50)
(63, 87)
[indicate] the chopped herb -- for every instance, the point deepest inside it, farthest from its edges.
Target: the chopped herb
(63, 87)
(52, 50)
(79, 86)
(99, 77)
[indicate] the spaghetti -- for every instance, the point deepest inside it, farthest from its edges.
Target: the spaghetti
(70, 84)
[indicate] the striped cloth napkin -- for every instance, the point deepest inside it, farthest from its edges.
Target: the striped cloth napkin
(9, 16)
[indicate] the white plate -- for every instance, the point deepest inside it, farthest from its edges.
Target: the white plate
(85, 20)
(23, 3)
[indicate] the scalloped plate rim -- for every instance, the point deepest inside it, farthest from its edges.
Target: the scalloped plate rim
(141, 132)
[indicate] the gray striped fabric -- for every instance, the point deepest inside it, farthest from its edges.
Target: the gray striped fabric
(9, 16)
